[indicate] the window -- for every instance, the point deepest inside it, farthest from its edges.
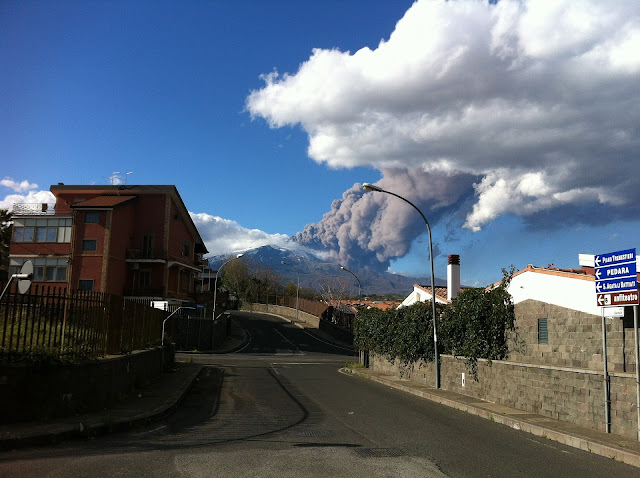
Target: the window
(46, 234)
(44, 268)
(147, 246)
(89, 244)
(543, 331)
(185, 280)
(42, 230)
(186, 248)
(85, 284)
(91, 217)
(145, 279)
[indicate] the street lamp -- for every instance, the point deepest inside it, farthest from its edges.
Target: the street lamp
(371, 188)
(215, 293)
(297, 288)
(351, 272)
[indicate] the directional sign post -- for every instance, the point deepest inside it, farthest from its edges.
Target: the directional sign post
(616, 285)
(616, 279)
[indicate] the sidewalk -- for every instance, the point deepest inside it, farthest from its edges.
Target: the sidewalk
(611, 446)
(153, 402)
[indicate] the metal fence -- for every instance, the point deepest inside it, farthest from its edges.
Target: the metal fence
(78, 323)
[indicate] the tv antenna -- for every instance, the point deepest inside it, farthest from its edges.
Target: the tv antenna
(115, 177)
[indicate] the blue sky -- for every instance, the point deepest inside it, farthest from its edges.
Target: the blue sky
(514, 127)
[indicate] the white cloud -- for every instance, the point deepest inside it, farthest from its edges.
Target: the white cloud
(18, 187)
(32, 197)
(537, 99)
(223, 236)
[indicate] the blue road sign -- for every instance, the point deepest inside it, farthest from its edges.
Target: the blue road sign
(616, 271)
(616, 285)
(616, 278)
(612, 258)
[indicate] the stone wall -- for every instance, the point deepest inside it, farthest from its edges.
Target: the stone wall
(562, 379)
(283, 311)
(575, 338)
(44, 392)
(572, 395)
(309, 319)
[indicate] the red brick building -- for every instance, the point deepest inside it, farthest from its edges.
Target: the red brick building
(133, 241)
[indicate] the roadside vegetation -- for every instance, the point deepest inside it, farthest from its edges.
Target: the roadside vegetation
(474, 326)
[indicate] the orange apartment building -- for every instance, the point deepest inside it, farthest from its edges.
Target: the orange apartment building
(132, 241)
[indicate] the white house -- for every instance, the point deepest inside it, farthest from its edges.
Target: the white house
(422, 293)
(570, 288)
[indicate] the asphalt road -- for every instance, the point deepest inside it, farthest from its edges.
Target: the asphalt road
(281, 408)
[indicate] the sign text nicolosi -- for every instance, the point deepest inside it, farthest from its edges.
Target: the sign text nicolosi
(616, 279)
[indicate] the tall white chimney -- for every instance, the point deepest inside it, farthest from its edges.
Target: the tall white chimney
(453, 276)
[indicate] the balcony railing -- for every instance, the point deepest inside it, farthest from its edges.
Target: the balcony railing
(34, 209)
(144, 292)
(143, 254)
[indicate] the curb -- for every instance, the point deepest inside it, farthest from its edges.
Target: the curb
(581, 443)
(99, 426)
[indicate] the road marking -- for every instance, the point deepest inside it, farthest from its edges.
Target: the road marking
(328, 343)
(149, 431)
(303, 363)
(292, 344)
(248, 342)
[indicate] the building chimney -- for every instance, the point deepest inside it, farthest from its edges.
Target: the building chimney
(453, 276)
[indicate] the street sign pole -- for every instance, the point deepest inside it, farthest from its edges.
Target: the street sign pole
(635, 332)
(616, 282)
(607, 397)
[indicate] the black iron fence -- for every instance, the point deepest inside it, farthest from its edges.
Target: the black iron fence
(78, 323)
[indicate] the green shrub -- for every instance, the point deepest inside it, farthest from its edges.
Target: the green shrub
(474, 325)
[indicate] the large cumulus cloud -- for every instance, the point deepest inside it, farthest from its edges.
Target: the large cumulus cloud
(222, 236)
(537, 101)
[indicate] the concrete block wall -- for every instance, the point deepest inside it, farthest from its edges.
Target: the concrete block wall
(575, 339)
(46, 392)
(287, 312)
(572, 395)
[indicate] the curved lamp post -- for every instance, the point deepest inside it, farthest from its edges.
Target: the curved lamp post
(215, 293)
(351, 272)
(297, 288)
(369, 188)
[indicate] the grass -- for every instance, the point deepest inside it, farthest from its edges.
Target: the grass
(354, 365)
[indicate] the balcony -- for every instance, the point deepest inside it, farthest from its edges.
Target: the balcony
(34, 209)
(143, 255)
(145, 292)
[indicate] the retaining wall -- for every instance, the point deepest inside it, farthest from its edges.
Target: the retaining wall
(568, 394)
(309, 319)
(44, 392)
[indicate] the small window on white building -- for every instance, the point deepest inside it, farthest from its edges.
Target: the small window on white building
(543, 331)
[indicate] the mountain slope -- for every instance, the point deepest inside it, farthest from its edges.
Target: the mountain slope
(316, 274)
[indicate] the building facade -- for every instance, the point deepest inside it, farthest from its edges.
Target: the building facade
(444, 295)
(132, 241)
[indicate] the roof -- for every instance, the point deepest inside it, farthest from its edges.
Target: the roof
(103, 201)
(441, 292)
(583, 274)
(126, 190)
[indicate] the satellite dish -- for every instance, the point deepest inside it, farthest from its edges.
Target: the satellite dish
(25, 276)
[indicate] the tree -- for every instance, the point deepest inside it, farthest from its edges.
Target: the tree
(235, 277)
(476, 323)
(6, 228)
(405, 334)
